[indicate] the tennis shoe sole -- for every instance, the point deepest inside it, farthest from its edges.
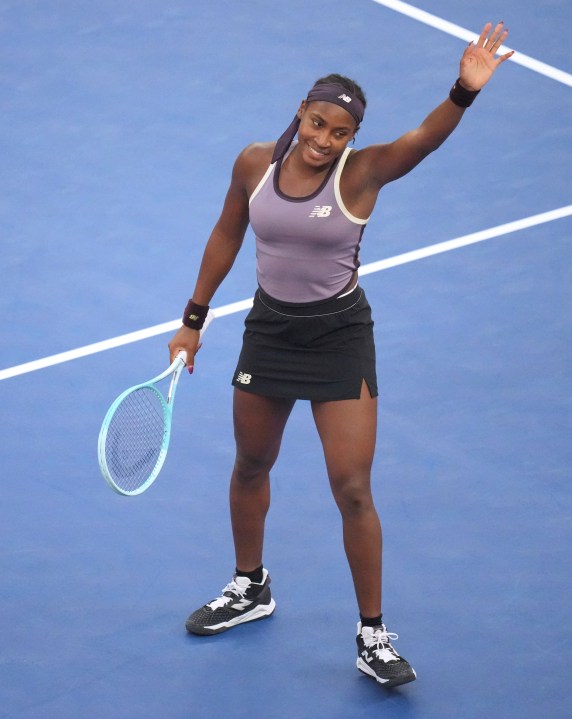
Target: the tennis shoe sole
(395, 681)
(260, 611)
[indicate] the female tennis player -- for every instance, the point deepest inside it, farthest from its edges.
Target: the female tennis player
(309, 334)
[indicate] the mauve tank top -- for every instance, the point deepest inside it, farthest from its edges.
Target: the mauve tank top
(307, 248)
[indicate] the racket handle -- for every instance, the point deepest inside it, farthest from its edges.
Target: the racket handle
(208, 319)
(182, 355)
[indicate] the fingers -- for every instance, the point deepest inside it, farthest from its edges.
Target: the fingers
(484, 34)
(185, 340)
(491, 41)
(191, 363)
(191, 358)
(497, 38)
(504, 57)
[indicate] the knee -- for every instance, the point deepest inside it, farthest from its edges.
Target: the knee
(250, 469)
(353, 495)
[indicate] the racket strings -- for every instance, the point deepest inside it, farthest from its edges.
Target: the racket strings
(135, 438)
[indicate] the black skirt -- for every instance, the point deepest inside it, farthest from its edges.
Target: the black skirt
(321, 351)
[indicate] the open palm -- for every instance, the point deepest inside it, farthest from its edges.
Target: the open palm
(478, 62)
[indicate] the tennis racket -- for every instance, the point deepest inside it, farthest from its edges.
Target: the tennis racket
(135, 433)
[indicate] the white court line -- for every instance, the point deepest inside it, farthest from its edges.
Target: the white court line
(466, 240)
(246, 304)
(467, 35)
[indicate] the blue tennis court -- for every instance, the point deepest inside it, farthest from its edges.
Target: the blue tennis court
(120, 124)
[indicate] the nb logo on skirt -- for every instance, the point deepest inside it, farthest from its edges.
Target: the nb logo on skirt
(244, 377)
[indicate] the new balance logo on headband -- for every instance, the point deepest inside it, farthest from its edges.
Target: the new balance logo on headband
(345, 98)
(321, 211)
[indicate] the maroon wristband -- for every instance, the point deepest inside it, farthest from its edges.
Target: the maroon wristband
(462, 97)
(194, 315)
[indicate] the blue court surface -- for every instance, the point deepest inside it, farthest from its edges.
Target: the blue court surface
(120, 121)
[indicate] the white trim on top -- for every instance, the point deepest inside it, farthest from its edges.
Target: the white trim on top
(338, 194)
(261, 183)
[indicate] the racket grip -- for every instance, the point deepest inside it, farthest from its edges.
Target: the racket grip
(182, 355)
(208, 319)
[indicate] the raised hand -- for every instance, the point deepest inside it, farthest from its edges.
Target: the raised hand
(479, 62)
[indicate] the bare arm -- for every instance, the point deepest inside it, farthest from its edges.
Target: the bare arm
(392, 161)
(478, 64)
(220, 253)
(223, 244)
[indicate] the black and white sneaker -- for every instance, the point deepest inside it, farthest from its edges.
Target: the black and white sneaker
(379, 660)
(241, 601)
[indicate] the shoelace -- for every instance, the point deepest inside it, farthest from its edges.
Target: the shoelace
(380, 639)
(222, 601)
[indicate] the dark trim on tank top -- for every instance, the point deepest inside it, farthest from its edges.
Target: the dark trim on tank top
(288, 198)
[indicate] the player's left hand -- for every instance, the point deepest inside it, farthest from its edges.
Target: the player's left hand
(479, 62)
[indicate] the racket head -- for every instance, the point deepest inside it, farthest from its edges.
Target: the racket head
(134, 439)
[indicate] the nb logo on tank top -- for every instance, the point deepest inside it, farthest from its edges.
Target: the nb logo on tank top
(321, 211)
(243, 378)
